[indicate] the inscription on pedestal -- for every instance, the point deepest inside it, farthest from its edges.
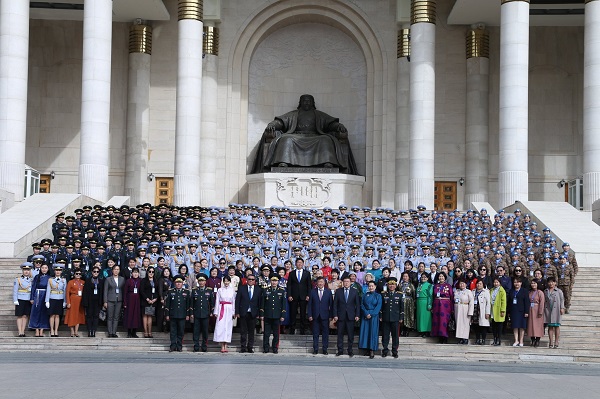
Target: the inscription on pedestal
(303, 192)
(296, 169)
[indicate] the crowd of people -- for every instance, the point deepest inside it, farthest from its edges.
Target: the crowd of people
(377, 272)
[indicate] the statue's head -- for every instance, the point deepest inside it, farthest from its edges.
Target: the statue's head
(307, 97)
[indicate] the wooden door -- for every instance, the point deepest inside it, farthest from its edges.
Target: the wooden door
(444, 195)
(164, 191)
(45, 183)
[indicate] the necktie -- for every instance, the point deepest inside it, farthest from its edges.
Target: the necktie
(299, 274)
(320, 294)
(251, 291)
(346, 294)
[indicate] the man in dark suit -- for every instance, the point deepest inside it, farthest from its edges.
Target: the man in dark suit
(299, 286)
(346, 311)
(320, 304)
(247, 305)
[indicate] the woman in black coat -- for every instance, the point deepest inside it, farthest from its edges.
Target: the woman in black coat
(150, 299)
(92, 300)
(518, 308)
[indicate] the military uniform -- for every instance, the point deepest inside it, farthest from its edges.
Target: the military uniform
(392, 313)
(202, 304)
(565, 280)
(272, 309)
(178, 307)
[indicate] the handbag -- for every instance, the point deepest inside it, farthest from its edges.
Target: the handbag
(102, 315)
(149, 310)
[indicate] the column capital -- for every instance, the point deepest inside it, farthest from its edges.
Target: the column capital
(190, 9)
(140, 39)
(510, 1)
(422, 11)
(210, 42)
(589, 1)
(403, 43)
(478, 43)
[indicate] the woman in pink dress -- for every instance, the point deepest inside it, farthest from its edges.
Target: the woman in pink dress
(224, 312)
(535, 321)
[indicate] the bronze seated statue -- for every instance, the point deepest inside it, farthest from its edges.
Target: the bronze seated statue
(305, 137)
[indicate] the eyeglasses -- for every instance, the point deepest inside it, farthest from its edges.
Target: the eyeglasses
(251, 279)
(483, 269)
(518, 270)
(150, 271)
(78, 274)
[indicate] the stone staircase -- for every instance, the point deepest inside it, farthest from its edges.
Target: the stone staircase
(578, 342)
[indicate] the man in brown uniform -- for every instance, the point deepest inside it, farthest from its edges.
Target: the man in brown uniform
(566, 278)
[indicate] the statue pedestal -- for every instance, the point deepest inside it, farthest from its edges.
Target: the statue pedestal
(304, 190)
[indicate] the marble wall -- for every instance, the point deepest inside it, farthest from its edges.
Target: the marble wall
(54, 103)
(246, 99)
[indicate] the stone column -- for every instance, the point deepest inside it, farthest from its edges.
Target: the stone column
(476, 146)
(95, 99)
(189, 96)
(422, 103)
(138, 113)
(591, 105)
(513, 114)
(208, 137)
(402, 119)
(14, 60)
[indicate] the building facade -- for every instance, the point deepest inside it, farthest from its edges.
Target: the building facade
(487, 101)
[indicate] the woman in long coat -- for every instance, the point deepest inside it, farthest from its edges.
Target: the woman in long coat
(39, 318)
(535, 321)
(75, 314)
(225, 313)
(463, 311)
(93, 291)
(498, 315)
(424, 305)
(518, 310)
(482, 308)
(369, 327)
(408, 291)
(132, 316)
(555, 308)
(443, 300)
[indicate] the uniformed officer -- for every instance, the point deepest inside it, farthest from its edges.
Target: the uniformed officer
(178, 308)
(21, 295)
(202, 305)
(272, 311)
(392, 313)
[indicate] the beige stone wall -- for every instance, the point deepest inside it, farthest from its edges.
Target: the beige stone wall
(54, 103)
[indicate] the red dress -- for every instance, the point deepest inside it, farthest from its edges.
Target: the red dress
(132, 316)
(75, 313)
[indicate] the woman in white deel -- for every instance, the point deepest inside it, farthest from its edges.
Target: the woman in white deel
(225, 313)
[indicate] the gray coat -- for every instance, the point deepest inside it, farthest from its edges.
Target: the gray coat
(110, 289)
(555, 301)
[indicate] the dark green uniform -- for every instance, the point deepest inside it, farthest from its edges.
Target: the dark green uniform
(202, 305)
(392, 312)
(178, 306)
(272, 308)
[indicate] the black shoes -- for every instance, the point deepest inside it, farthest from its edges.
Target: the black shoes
(339, 353)
(275, 351)
(266, 350)
(325, 352)
(351, 354)
(243, 350)
(315, 352)
(371, 354)
(384, 354)
(250, 350)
